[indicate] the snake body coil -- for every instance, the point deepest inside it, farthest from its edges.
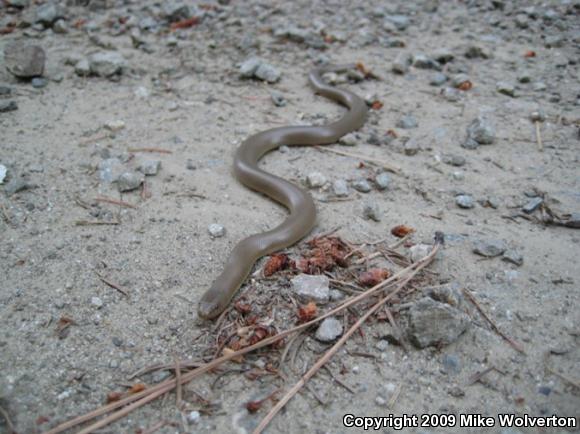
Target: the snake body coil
(299, 202)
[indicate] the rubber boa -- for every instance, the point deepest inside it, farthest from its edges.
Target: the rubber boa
(299, 202)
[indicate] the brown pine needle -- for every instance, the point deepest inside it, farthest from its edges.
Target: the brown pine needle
(539, 136)
(112, 285)
(115, 202)
(370, 160)
(139, 399)
(494, 326)
(178, 393)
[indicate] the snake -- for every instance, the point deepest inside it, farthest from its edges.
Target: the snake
(301, 207)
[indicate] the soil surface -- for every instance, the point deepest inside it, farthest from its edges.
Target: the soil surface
(117, 138)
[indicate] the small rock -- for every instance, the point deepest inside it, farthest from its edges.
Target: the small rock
(545, 390)
(573, 221)
(3, 171)
(451, 94)
(513, 256)
(411, 147)
(539, 86)
(329, 330)
(193, 417)
(150, 167)
(349, 139)
(451, 364)
(458, 175)
(39, 82)
(8, 106)
(60, 27)
(521, 20)
(479, 132)
(380, 401)
(48, 13)
(448, 294)
(419, 251)
(340, 188)
(362, 185)
(443, 55)
(278, 99)
(506, 88)
(110, 169)
(437, 79)
(407, 122)
(16, 185)
(5, 90)
(459, 79)
(107, 63)
(311, 288)
(525, 77)
(489, 248)
(315, 180)
(433, 324)
(129, 181)
(267, 72)
(97, 302)
(402, 63)
(453, 160)
(23, 60)
(115, 125)
(216, 230)
(400, 22)
(371, 211)
(537, 116)
(383, 181)
(464, 201)
(423, 61)
(532, 205)
(476, 51)
(83, 68)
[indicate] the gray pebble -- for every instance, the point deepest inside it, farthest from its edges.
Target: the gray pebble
(83, 68)
(433, 324)
(216, 230)
(23, 60)
(407, 122)
(371, 211)
(340, 188)
(481, 132)
(362, 185)
(459, 79)
(451, 94)
(311, 288)
(267, 72)
(8, 106)
(48, 13)
(451, 364)
(538, 116)
(453, 160)
(411, 147)
(513, 256)
(3, 171)
(489, 248)
(443, 55)
(349, 139)
(5, 90)
(329, 330)
(60, 27)
(39, 82)
(400, 22)
(383, 181)
(506, 88)
(539, 86)
(128, 181)
(97, 302)
(278, 99)
(150, 167)
(402, 63)
(464, 201)
(249, 67)
(193, 417)
(437, 79)
(315, 180)
(16, 185)
(476, 51)
(336, 295)
(107, 63)
(419, 251)
(532, 205)
(525, 77)
(423, 61)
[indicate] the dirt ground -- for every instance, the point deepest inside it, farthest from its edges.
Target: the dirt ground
(68, 338)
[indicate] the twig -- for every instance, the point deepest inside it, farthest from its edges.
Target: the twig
(338, 381)
(178, 392)
(160, 150)
(539, 136)
(509, 340)
(95, 222)
(115, 202)
(112, 285)
(374, 161)
(479, 375)
(139, 399)
(395, 396)
(4, 414)
(155, 427)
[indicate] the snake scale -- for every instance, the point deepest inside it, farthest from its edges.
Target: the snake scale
(302, 215)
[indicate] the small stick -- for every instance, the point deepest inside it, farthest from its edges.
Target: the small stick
(509, 340)
(479, 375)
(115, 202)
(338, 381)
(155, 427)
(160, 150)
(95, 223)
(113, 285)
(395, 396)
(4, 414)
(178, 392)
(374, 161)
(539, 136)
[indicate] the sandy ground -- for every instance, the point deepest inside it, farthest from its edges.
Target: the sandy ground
(180, 90)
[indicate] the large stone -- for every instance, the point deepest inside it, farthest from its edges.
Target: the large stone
(23, 60)
(107, 63)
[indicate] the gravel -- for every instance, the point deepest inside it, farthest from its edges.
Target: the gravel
(311, 288)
